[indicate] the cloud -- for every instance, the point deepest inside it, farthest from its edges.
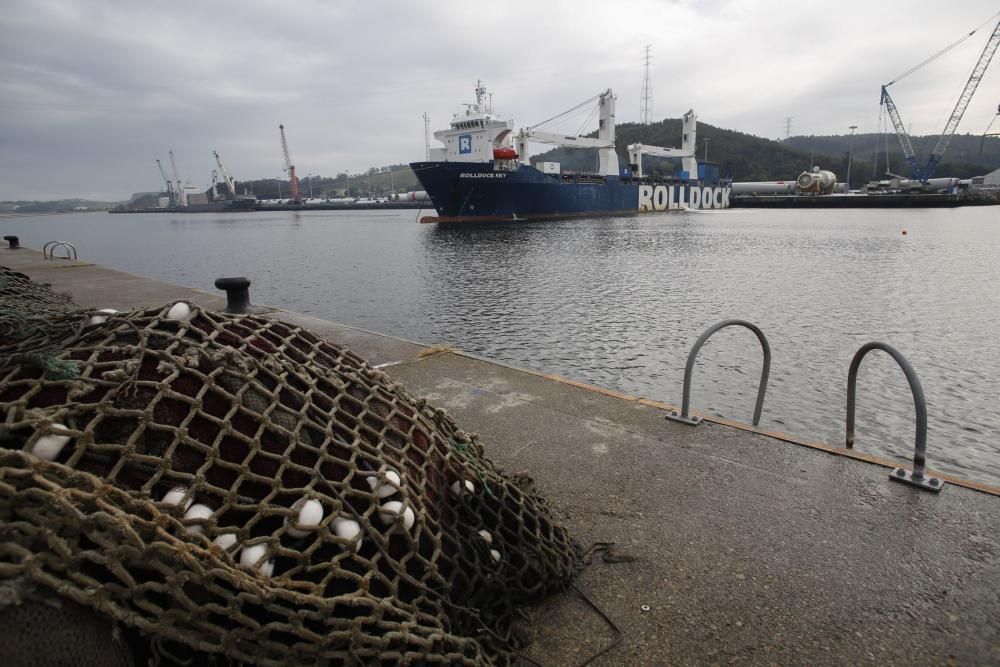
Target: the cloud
(92, 93)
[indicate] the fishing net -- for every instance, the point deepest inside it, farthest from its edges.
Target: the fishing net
(232, 488)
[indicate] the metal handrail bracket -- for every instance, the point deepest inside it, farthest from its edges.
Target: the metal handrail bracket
(685, 417)
(49, 250)
(915, 477)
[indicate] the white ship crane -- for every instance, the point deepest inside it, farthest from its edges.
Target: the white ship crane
(689, 144)
(605, 141)
(230, 185)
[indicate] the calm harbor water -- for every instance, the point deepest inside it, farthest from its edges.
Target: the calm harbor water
(619, 302)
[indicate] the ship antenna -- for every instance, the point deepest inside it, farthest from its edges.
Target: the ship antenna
(427, 137)
(480, 90)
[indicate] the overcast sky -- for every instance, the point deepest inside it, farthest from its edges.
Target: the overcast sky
(93, 91)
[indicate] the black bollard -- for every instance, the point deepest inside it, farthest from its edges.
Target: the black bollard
(15, 243)
(237, 294)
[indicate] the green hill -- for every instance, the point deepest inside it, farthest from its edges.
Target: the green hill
(377, 181)
(55, 206)
(744, 157)
(741, 156)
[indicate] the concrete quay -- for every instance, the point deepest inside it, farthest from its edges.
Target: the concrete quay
(743, 547)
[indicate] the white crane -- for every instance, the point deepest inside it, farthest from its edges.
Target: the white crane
(605, 141)
(230, 184)
(689, 144)
(170, 190)
(181, 196)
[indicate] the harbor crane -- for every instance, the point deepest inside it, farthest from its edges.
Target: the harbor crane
(987, 133)
(923, 172)
(290, 168)
(170, 190)
(689, 144)
(181, 197)
(605, 141)
(230, 184)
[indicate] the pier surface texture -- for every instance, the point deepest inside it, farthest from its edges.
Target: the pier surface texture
(732, 546)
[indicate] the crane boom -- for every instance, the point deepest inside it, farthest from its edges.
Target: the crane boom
(904, 138)
(181, 197)
(924, 173)
(230, 185)
(290, 167)
(562, 139)
(605, 141)
(689, 144)
(170, 191)
(963, 100)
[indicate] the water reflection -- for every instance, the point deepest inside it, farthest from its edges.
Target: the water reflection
(618, 302)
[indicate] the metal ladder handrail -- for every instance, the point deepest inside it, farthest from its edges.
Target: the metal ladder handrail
(916, 477)
(48, 250)
(684, 416)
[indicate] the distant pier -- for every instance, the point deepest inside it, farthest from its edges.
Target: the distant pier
(850, 201)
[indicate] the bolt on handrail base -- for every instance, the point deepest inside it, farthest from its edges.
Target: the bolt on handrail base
(690, 420)
(923, 482)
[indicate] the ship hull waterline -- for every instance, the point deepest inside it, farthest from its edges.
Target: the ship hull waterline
(479, 192)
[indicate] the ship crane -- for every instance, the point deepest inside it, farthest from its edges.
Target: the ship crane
(170, 190)
(923, 173)
(230, 185)
(605, 141)
(689, 144)
(290, 168)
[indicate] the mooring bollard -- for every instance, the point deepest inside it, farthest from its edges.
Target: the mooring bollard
(237, 294)
(15, 243)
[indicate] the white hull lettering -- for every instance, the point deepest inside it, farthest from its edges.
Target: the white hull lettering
(660, 199)
(645, 197)
(694, 198)
(672, 198)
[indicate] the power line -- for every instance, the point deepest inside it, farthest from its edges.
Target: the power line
(646, 98)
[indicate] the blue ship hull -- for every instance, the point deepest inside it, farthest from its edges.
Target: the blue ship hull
(478, 191)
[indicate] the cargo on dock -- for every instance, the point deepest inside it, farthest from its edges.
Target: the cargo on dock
(854, 200)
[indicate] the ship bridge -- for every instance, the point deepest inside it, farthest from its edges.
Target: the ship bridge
(474, 133)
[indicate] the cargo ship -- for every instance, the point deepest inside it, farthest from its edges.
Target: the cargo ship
(482, 172)
(220, 205)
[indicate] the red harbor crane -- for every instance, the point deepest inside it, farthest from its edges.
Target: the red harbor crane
(290, 168)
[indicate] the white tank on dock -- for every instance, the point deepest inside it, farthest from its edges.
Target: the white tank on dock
(819, 181)
(764, 188)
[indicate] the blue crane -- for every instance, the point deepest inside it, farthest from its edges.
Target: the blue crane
(924, 172)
